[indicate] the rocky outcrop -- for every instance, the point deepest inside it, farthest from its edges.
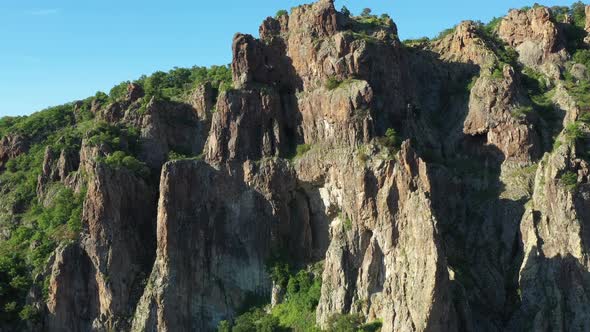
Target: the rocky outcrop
(57, 168)
(465, 45)
(535, 36)
(119, 238)
(382, 232)
(166, 127)
(339, 116)
(213, 238)
(134, 92)
(494, 107)
(117, 246)
(248, 124)
(12, 146)
(72, 302)
(554, 276)
(459, 229)
(203, 101)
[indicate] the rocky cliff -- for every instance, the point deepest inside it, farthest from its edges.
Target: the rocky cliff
(433, 185)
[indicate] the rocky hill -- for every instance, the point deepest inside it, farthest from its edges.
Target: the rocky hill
(333, 178)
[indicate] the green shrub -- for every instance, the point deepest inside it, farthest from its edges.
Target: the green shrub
(119, 91)
(224, 326)
(579, 90)
(101, 97)
(446, 32)
(39, 125)
(346, 222)
(521, 112)
(297, 312)
(391, 139)
(281, 12)
(471, 83)
(578, 11)
(302, 298)
(173, 155)
(27, 250)
(372, 326)
(332, 83)
(492, 26)
(569, 180)
(411, 42)
(177, 83)
(362, 154)
(226, 86)
(119, 159)
(582, 57)
(30, 314)
(345, 11)
(256, 320)
(498, 72)
(366, 12)
(278, 269)
(344, 323)
(573, 132)
(302, 149)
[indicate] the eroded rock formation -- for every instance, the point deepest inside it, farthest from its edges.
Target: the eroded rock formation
(467, 225)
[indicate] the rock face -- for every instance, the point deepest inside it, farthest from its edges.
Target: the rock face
(534, 35)
(72, 302)
(120, 239)
(474, 222)
(117, 247)
(554, 273)
(240, 118)
(493, 108)
(465, 45)
(203, 101)
(213, 238)
(386, 234)
(57, 168)
(167, 127)
(12, 146)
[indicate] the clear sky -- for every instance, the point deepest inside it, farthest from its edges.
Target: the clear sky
(56, 51)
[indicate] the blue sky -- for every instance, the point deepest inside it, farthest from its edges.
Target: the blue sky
(56, 51)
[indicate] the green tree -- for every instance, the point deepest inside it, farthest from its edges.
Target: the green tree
(154, 84)
(366, 12)
(119, 91)
(281, 12)
(344, 323)
(345, 11)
